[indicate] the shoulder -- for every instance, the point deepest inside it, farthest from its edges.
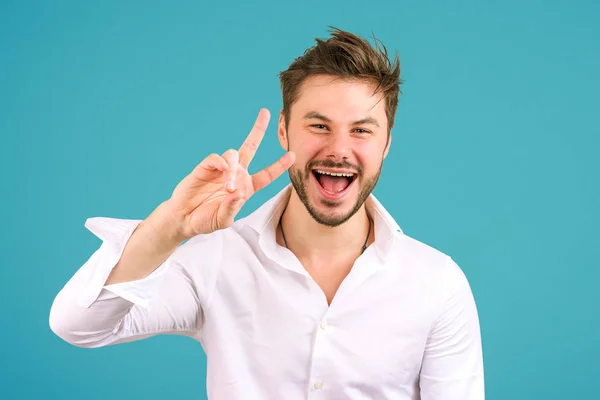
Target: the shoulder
(409, 249)
(211, 246)
(201, 259)
(435, 274)
(213, 249)
(424, 259)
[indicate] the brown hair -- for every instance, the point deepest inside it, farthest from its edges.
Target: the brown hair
(347, 56)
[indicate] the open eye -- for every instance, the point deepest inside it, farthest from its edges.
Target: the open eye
(319, 126)
(362, 131)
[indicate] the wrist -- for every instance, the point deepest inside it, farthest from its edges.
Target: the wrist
(166, 226)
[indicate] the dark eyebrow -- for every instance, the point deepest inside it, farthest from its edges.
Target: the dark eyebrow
(316, 115)
(364, 121)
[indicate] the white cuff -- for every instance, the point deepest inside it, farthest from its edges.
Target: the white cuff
(114, 234)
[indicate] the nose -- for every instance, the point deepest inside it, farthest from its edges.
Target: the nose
(338, 147)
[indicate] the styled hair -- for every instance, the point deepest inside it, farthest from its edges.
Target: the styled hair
(346, 56)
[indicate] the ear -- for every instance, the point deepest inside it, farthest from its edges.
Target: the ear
(387, 147)
(282, 133)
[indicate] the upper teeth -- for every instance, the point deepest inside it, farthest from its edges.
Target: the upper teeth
(334, 173)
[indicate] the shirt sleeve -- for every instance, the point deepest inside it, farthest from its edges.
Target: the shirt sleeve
(453, 361)
(88, 313)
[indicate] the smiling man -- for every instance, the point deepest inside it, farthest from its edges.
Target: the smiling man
(318, 294)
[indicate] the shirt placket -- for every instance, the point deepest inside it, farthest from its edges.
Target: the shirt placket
(319, 377)
(320, 383)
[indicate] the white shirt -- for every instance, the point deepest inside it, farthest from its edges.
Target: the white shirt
(403, 324)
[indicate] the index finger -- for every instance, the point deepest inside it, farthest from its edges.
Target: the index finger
(250, 145)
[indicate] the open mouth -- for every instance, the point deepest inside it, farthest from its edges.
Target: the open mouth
(333, 183)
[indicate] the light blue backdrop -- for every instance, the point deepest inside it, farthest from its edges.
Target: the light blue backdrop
(105, 106)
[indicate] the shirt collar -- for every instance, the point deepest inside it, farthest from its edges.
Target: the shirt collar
(264, 221)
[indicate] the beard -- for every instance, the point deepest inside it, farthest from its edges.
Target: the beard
(299, 180)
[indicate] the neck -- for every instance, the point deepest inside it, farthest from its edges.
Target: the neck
(317, 244)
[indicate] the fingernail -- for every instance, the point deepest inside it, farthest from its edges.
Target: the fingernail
(229, 185)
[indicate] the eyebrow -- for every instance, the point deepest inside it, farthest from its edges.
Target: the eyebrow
(364, 121)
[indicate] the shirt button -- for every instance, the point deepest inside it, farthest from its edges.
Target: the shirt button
(323, 324)
(319, 385)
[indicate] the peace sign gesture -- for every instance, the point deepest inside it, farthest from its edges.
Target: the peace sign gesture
(214, 192)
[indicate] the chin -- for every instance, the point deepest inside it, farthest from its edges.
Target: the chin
(332, 208)
(328, 199)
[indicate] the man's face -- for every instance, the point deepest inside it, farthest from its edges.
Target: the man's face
(338, 131)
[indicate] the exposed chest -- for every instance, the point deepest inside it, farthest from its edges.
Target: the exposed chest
(329, 279)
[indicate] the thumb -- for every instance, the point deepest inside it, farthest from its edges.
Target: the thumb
(230, 207)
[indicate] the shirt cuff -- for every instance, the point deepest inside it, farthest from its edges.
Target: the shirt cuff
(114, 234)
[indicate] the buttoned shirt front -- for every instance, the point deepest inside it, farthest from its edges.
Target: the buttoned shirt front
(403, 325)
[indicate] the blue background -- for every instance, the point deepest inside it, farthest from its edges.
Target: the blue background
(105, 106)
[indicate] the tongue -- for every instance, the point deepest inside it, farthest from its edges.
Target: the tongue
(333, 183)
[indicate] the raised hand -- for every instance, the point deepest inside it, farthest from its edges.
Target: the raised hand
(210, 197)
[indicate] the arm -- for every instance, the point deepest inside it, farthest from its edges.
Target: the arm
(152, 242)
(160, 291)
(453, 362)
(141, 282)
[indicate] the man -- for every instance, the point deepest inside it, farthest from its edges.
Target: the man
(318, 293)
